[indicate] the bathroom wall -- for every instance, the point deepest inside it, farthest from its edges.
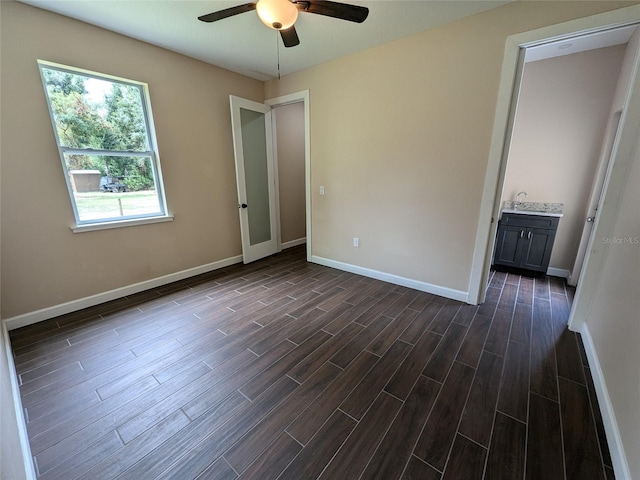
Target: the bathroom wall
(563, 109)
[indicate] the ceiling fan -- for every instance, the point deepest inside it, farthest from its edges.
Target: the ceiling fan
(282, 14)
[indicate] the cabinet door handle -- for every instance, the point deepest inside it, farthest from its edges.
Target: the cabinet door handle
(521, 233)
(529, 235)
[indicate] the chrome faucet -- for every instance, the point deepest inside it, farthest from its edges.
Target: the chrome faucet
(518, 202)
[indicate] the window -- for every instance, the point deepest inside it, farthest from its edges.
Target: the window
(104, 131)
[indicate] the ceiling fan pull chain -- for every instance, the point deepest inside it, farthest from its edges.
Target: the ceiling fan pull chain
(278, 51)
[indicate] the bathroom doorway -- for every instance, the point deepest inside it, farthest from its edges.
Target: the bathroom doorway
(563, 119)
(513, 66)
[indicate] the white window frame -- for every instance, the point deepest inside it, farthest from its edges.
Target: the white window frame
(111, 222)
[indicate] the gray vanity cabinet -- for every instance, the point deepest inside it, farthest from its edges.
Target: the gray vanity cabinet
(525, 241)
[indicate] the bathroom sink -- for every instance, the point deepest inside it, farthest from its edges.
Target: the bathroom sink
(534, 208)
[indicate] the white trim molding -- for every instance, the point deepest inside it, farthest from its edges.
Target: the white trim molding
(618, 457)
(558, 272)
(293, 243)
(27, 458)
(74, 305)
(92, 227)
(395, 279)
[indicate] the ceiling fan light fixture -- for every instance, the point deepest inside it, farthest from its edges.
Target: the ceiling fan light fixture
(277, 14)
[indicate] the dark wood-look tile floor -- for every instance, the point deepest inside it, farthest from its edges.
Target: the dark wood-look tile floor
(287, 370)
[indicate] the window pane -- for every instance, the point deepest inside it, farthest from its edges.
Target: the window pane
(96, 113)
(254, 146)
(112, 187)
(108, 154)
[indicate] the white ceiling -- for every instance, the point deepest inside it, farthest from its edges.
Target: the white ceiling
(244, 45)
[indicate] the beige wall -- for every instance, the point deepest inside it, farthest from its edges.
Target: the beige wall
(613, 321)
(559, 128)
(43, 263)
(290, 147)
(11, 455)
(400, 136)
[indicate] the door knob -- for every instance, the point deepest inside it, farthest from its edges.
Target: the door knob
(243, 205)
(591, 219)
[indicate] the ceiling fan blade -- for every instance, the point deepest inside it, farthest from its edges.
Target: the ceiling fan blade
(290, 37)
(227, 12)
(343, 11)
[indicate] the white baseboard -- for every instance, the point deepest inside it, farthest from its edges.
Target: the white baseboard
(293, 243)
(74, 305)
(618, 457)
(27, 459)
(395, 279)
(558, 272)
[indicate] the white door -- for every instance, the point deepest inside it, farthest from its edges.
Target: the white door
(595, 198)
(253, 149)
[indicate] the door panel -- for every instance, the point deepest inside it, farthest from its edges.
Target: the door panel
(508, 246)
(256, 175)
(594, 197)
(253, 148)
(538, 251)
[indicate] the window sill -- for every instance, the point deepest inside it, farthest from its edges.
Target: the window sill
(120, 224)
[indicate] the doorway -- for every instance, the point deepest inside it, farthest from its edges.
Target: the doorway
(609, 208)
(289, 148)
(279, 128)
(564, 110)
(511, 78)
(284, 117)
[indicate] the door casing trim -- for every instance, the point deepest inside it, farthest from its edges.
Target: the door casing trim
(303, 97)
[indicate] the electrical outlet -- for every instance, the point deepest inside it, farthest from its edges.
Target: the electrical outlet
(322, 190)
(356, 242)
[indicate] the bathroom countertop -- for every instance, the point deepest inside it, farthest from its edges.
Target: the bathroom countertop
(534, 208)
